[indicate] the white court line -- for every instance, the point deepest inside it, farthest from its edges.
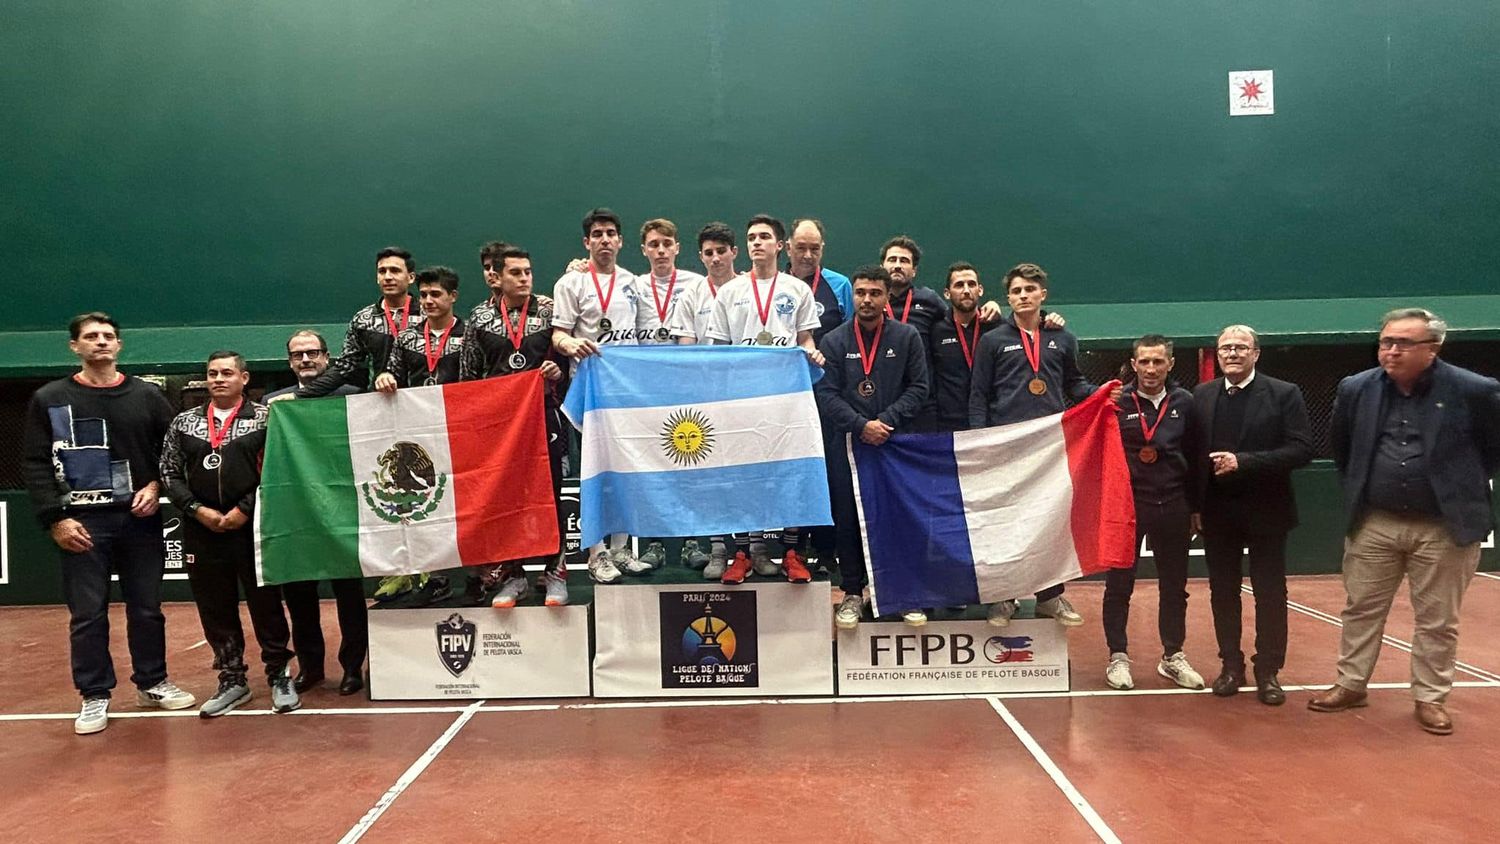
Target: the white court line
(1398, 644)
(201, 643)
(404, 781)
(1488, 575)
(692, 703)
(1059, 779)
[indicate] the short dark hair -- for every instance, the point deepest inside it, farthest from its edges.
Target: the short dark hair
(510, 251)
(307, 332)
(396, 252)
(871, 272)
(239, 359)
(1150, 340)
(1030, 272)
(438, 275)
(716, 231)
(767, 220)
(902, 241)
(75, 325)
(490, 253)
(960, 266)
(599, 215)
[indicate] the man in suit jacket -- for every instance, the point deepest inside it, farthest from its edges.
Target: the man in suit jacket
(1253, 431)
(1416, 441)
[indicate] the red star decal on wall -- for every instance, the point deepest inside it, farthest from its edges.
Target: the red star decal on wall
(1250, 90)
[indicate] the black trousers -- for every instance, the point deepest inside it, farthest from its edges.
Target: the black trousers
(847, 540)
(1168, 526)
(219, 565)
(132, 547)
(1224, 543)
(307, 623)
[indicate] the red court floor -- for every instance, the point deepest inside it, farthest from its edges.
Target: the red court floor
(1153, 764)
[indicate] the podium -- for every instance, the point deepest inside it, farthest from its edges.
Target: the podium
(953, 657)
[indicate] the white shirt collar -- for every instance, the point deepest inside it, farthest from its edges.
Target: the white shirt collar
(1243, 384)
(1155, 398)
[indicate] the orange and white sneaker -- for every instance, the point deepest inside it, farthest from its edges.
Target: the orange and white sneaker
(738, 569)
(795, 567)
(514, 589)
(555, 587)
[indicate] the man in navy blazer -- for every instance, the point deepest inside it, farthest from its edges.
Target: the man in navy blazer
(1253, 430)
(1416, 441)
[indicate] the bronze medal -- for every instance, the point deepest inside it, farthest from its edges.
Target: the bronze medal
(517, 361)
(763, 339)
(1037, 386)
(1147, 454)
(866, 388)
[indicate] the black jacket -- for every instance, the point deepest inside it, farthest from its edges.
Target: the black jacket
(998, 394)
(367, 346)
(234, 481)
(1275, 439)
(407, 362)
(1465, 446)
(1173, 474)
(899, 372)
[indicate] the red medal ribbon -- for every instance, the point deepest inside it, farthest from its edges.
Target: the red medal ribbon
(867, 357)
(663, 307)
(763, 312)
(968, 347)
(604, 300)
(817, 277)
(516, 334)
(216, 438)
(432, 359)
(1033, 349)
(1140, 415)
(906, 311)
(390, 322)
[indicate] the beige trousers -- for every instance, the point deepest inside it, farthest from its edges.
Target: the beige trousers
(1387, 547)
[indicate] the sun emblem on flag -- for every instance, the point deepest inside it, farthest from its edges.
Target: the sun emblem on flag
(687, 437)
(407, 486)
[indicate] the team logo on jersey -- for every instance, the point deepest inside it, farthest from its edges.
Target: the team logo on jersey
(407, 486)
(455, 643)
(1002, 649)
(687, 437)
(818, 306)
(785, 304)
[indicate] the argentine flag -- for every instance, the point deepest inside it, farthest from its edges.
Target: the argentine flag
(697, 440)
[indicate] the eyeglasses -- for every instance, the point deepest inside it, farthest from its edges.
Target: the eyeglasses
(311, 354)
(1235, 348)
(1405, 345)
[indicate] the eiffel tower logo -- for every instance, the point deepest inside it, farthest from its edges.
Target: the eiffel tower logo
(709, 650)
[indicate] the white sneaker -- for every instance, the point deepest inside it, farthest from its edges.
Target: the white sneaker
(718, 561)
(602, 568)
(556, 590)
(847, 615)
(515, 589)
(164, 695)
(761, 562)
(1060, 609)
(1117, 675)
(914, 618)
(655, 555)
(93, 717)
(1177, 669)
(627, 562)
(1001, 612)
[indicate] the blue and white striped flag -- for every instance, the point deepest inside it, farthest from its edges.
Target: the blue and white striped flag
(697, 440)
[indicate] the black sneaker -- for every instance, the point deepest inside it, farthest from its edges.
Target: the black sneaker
(434, 590)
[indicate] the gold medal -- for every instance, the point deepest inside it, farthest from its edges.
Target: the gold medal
(1147, 454)
(1037, 386)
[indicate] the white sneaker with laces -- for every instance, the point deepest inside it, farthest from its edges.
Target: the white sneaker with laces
(718, 561)
(626, 561)
(602, 568)
(1177, 669)
(164, 695)
(847, 615)
(914, 618)
(1117, 675)
(511, 591)
(1001, 612)
(93, 717)
(1060, 609)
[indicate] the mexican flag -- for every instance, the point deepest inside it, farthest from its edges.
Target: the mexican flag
(429, 478)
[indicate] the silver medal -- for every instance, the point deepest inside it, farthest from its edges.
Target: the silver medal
(517, 361)
(212, 460)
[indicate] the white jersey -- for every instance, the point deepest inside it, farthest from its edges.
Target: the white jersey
(737, 314)
(578, 310)
(654, 291)
(694, 312)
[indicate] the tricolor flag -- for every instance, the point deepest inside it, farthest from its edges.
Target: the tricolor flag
(697, 440)
(982, 516)
(428, 478)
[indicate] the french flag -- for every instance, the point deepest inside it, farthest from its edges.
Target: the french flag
(982, 516)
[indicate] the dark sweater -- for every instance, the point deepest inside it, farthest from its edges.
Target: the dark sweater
(999, 394)
(408, 358)
(1170, 476)
(230, 484)
(89, 448)
(899, 372)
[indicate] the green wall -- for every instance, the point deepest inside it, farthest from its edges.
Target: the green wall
(201, 162)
